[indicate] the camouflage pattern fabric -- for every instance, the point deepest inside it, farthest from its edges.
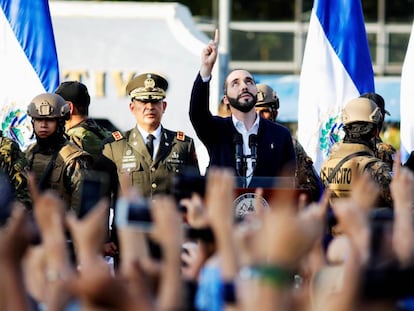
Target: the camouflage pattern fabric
(89, 136)
(14, 163)
(381, 173)
(306, 175)
(385, 152)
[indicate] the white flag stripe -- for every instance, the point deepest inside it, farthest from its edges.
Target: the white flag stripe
(407, 102)
(21, 77)
(28, 63)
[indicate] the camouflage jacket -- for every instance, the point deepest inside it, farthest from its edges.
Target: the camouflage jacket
(385, 152)
(89, 136)
(306, 175)
(14, 163)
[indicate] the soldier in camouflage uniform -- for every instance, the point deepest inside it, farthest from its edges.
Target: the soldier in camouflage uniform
(383, 151)
(13, 163)
(150, 163)
(83, 131)
(307, 178)
(57, 163)
(360, 117)
(89, 136)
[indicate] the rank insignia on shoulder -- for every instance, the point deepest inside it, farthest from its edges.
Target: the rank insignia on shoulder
(117, 135)
(180, 135)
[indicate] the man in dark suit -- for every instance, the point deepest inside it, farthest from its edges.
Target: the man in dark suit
(244, 141)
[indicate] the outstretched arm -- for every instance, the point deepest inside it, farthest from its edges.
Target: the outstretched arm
(209, 57)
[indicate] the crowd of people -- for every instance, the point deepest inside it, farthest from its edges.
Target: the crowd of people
(338, 239)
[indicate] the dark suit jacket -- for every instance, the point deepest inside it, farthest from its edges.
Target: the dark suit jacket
(275, 148)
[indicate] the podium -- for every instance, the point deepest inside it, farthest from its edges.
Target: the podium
(245, 197)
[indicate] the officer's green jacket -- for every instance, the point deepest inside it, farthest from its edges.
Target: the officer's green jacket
(136, 168)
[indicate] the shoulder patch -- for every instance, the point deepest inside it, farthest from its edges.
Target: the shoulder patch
(117, 135)
(180, 135)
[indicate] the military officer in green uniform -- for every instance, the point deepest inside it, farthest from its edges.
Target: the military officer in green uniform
(360, 117)
(306, 176)
(81, 129)
(148, 156)
(13, 163)
(57, 163)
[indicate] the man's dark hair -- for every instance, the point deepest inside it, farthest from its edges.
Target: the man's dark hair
(379, 101)
(77, 93)
(225, 79)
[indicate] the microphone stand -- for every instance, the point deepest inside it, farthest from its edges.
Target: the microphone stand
(241, 167)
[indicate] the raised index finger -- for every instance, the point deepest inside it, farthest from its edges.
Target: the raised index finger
(216, 36)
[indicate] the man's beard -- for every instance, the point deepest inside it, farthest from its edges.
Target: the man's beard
(243, 106)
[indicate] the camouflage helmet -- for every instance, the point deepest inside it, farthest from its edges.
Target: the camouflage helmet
(361, 109)
(266, 96)
(48, 105)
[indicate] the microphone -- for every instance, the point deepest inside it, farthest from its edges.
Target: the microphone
(253, 149)
(238, 141)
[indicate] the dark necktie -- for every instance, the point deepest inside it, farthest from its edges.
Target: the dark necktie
(150, 144)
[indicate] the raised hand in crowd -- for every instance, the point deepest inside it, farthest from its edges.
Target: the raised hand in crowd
(88, 236)
(336, 286)
(402, 192)
(15, 238)
(49, 212)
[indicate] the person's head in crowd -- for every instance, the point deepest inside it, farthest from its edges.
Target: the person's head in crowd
(147, 92)
(76, 95)
(379, 101)
(267, 102)
(240, 91)
(49, 112)
(361, 117)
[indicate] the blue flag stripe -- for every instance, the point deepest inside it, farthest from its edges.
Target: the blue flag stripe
(31, 23)
(341, 20)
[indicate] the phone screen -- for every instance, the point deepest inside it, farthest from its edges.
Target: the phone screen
(94, 187)
(133, 213)
(6, 197)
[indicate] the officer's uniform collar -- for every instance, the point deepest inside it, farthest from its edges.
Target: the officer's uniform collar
(156, 133)
(156, 141)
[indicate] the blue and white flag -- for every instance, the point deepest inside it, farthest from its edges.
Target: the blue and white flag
(28, 63)
(406, 101)
(336, 68)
